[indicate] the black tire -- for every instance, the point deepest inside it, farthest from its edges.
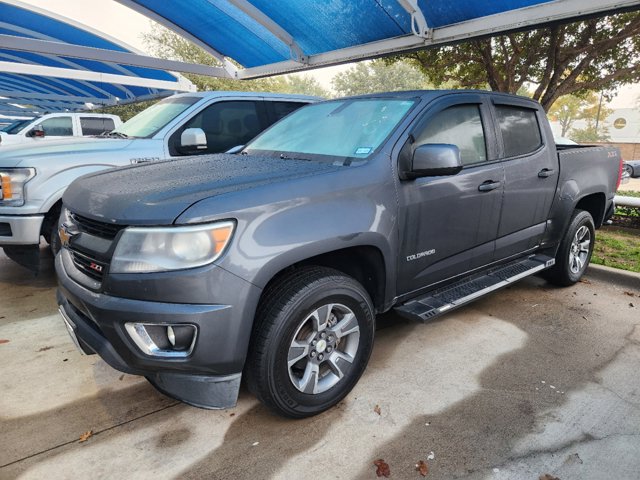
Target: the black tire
(287, 311)
(55, 244)
(567, 269)
(50, 229)
(629, 170)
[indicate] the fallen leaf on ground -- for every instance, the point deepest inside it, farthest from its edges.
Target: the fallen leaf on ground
(86, 435)
(631, 304)
(584, 280)
(377, 409)
(546, 476)
(382, 469)
(232, 414)
(121, 377)
(422, 467)
(631, 294)
(44, 349)
(2, 340)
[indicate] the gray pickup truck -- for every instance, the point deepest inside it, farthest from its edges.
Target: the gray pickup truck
(272, 263)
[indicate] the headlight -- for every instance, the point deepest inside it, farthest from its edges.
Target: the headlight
(12, 181)
(170, 248)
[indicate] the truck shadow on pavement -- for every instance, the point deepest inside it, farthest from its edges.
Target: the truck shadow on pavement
(566, 347)
(24, 295)
(44, 434)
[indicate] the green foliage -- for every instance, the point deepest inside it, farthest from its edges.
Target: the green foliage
(165, 44)
(591, 55)
(589, 133)
(126, 111)
(569, 108)
(379, 76)
(618, 248)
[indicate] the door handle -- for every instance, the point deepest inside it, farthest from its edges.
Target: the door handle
(488, 186)
(545, 172)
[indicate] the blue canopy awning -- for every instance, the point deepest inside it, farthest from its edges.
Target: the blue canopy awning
(249, 38)
(266, 37)
(41, 81)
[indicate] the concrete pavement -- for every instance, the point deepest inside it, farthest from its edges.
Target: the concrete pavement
(528, 381)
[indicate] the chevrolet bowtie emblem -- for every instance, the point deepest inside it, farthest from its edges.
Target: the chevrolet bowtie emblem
(64, 235)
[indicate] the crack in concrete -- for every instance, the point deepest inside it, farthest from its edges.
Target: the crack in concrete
(55, 447)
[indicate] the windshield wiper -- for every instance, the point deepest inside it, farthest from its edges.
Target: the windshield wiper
(114, 134)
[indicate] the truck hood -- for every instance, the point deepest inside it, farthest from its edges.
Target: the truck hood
(26, 154)
(156, 194)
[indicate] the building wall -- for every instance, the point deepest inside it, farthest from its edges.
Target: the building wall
(629, 151)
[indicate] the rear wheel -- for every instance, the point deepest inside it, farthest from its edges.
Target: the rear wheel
(312, 341)
(575, 250)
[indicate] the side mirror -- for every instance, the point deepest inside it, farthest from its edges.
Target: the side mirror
(433, 160)
(36, 131)
(193, 139)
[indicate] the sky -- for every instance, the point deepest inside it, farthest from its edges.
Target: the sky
(129, 26)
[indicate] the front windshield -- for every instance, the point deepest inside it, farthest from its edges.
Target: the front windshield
(352, 128)
(151, 120)
(15, 127)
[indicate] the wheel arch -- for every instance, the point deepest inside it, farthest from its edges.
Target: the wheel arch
(365, 263)
(595, 204)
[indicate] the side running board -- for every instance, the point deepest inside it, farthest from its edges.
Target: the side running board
(439, 301)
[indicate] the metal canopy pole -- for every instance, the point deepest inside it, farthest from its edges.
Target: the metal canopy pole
(230, 68)
(252, 12)
(12, 67)
(23, 44)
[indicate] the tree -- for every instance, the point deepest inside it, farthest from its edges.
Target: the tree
(591, 55)
(379, 76)
(166, 44)
(126, 111)
(595, 131)
(569, 108)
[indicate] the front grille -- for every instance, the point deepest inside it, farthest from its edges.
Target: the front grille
(94, 227)
(89, 266)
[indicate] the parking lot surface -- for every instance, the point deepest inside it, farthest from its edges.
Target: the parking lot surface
(531, 380)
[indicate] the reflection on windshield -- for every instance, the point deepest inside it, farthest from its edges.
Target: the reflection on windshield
(343, 128)
(15, 127)
(151, 120)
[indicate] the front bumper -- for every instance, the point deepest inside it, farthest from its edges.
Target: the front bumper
(20, 229)
(209, 377)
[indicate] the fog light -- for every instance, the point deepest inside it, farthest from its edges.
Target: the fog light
(176, 340)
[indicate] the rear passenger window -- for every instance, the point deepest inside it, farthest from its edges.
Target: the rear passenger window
(96, 125)
(282, 109)
(520, 130)
(227, 124)
(58, 127)
(460, 126)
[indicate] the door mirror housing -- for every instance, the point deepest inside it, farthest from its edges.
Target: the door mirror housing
(193, 140)
(435, 159)
(36, 132)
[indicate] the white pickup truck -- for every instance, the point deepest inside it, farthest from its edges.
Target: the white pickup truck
(34, 177)
(57, 126)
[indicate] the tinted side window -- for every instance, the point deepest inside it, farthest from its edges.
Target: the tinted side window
(461, 126)
(520, 130)
(282, 109)
(227, 124)
(96, 125)
(58, 126)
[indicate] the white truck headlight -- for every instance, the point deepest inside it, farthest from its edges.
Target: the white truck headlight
(159, 249)
(12, 182)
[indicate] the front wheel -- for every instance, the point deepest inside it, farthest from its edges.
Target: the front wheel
(312, 341)
(575, 250)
